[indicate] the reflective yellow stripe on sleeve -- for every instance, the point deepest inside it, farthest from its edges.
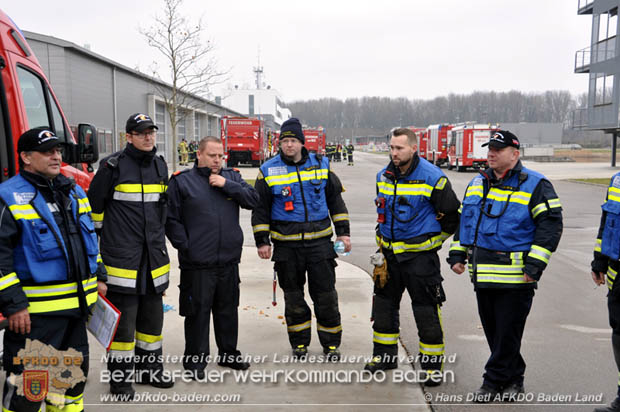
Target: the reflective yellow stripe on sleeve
(340, 217)
(456, 246)
(597, 245)
(260, 228)
(540, 253)
(8, 280)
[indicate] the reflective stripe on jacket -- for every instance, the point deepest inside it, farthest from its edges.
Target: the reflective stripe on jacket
(408, 211)
(41, 256)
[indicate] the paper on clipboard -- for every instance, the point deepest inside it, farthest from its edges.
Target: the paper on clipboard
(104, 321)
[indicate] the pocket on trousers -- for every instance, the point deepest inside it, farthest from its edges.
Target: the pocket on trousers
(435, 289)
(186, 305)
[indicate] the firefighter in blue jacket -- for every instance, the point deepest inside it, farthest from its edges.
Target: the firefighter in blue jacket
(511, 222)
(605, 266)
(203, 225)
(298, 194)
(417, 211)
(128, 197)
(50, 268)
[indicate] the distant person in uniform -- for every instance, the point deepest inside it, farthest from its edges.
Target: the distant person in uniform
(350, 150)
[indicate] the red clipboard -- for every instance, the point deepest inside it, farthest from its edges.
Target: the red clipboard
(104, 321)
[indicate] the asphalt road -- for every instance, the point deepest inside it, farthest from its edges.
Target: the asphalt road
(567, 338)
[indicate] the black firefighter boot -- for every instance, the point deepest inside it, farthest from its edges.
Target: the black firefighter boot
(614, 407)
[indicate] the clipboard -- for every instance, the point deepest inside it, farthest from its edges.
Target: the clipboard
(104, 321)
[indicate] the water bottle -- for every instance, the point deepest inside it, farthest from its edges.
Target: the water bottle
(339, 248)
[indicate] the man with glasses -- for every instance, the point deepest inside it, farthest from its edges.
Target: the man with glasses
(511, 222)
(128, 197)
(298, 194)
(50, 268)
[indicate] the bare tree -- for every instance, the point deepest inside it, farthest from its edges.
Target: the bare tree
(192, 67)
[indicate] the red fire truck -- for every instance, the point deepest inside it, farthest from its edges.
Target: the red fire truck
(421, 135)
(465, 149)
(27, 101)
(244, 140)
(315, 140)
(422, 143)
(437, 147)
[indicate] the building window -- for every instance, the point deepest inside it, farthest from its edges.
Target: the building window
(608, 25)
(160, 122)
(251, 105)
(196, 126)
(604, 89)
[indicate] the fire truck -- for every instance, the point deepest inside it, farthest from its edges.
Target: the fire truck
(28, 101)
(245, 140)
(315, 140)
(437, 146)
(420, 133)
(465, 148)
(422, 143)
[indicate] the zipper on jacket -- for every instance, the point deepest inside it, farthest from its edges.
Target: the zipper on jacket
(393, 212)
(303, 199)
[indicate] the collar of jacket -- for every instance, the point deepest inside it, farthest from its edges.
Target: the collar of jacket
(139, 155)
(490, 175)
(290, 162)
(392, 172)
(203, 171)
(47, 186)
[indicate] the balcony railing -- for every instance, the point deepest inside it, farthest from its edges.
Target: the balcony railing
(600, 52)
(582, 59)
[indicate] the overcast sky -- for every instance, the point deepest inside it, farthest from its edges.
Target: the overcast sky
(331, 48)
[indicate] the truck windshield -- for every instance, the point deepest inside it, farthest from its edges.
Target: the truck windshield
(34, 95)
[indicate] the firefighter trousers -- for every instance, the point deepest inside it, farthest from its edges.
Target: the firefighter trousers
(60, 332)
(503, 313)
(138, 340)
(422, 279)
(202, 292)
(613, 306)
(291, 265)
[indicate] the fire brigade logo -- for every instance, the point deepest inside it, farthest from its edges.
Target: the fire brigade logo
(141, 117)
(286, 192)
(35, 385)
(46, 135)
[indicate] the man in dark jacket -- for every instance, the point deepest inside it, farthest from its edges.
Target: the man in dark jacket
(50, 268)
(511, 223)
(203, 224)
(298, 195)
(129, 209)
